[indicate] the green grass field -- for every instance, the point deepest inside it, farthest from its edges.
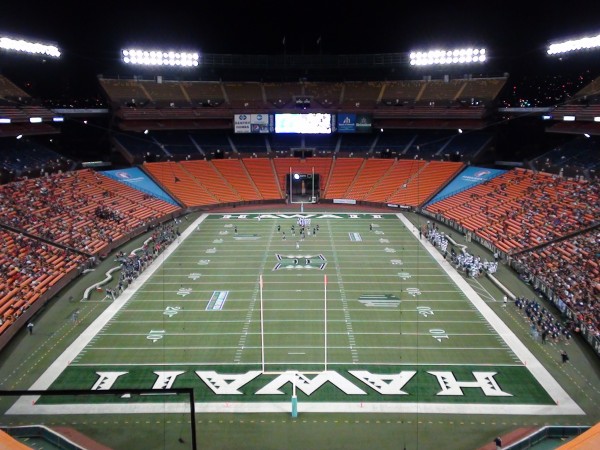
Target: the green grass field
(389, 331)
(403, 351)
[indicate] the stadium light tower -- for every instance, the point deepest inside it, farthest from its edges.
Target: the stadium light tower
(160, 58)
(448, 57)
(22, 46)
(574, 45)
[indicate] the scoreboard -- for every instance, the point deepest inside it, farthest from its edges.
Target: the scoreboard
(302, 123)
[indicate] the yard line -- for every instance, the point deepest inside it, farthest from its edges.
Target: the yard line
(360, 309)
(257, 286)
(303, 283)
(483, 292)
(342, 292)
(280, 347)
(221, 363)
(296, 333)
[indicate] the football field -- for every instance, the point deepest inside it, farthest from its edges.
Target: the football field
(356, 314)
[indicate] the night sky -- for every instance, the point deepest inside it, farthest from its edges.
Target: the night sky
(91, 35)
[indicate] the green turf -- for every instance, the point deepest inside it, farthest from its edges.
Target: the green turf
(388, 305)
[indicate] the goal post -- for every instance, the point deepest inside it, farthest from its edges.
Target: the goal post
(302, 187)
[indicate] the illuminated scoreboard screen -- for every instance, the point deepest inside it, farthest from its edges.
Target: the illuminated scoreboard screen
(309, 123)
(302, 123)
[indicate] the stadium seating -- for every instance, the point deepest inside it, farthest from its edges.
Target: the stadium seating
(28, 268)
(262, 172)
(361, 95)
(30, 157)
(467, 145)
(323, 144)
(180, 184)
(394, 179)
(205, 173)
(426, 182)
(343, 173)
(402, 92)
(427, 144)
(165, 94)
(368, 178)
(250, 144)
(234, 172)
(124, 92)
(282, 95)
(480, 91)
(571, 267)
(324, 94)
(522, 209)
(579, 154)
(204, 93)
(244, 95)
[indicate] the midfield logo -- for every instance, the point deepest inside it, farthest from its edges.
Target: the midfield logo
(384, 384)
(300, 262)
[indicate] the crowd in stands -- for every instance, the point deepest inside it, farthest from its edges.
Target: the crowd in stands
(28, 268)
(528, 215)
(524, 209)
(81, 209)
(55, 226)
(571, 269)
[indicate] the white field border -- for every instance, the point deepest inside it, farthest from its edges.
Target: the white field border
(564, 405)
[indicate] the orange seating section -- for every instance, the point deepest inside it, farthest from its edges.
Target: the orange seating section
(522, 209)
(64, 209)
(344, 172)
(59, 215)
(28, 268)
(262, 173)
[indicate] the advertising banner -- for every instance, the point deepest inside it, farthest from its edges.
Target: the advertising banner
(241, 123)
(137, 179)
(469, 177)
(363, 123)
(346, 123)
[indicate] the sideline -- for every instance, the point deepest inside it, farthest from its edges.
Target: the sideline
(62, 362)
(564, 403)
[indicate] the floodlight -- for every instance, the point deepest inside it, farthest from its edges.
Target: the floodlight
(20, 45)
(569, 118)
(443, 57)
(5, 120)
(296, 176)
(19, 136)
(160, 58)
(35, 120)
(586, 135)
(58, 119)
(585, 43)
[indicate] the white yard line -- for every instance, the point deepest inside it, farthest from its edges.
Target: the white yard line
(564, 403)
(59, 365)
